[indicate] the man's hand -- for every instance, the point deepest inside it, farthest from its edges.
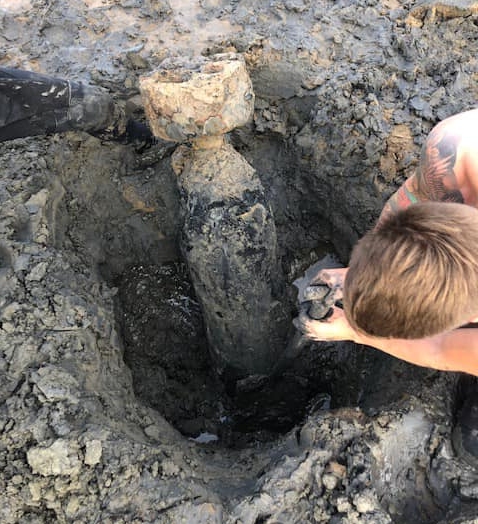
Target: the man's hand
(333, 278)
(334, 327)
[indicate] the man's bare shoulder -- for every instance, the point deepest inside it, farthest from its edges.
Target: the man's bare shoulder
(449, 163)
(448, 167)
(466, 118)
(460, 128)
(458, 351)
(464, 128)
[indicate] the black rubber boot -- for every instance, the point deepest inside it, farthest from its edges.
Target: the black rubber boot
(35, 104)
(465, 433)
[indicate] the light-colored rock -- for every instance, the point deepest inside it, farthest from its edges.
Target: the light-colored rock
(365, 502)
(93, 452)
(61, 458)
(207, 97)
(54, 384)
(330, 481)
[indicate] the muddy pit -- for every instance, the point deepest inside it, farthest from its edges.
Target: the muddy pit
(165, 347)
(106, 375)
(119, 344)
(162, 331)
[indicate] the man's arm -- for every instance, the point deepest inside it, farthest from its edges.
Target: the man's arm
(435, 178)
(446, 173)
(455, 350)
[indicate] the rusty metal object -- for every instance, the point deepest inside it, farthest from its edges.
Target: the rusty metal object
(228, 236)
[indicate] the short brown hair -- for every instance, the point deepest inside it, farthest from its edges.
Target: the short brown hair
(416, 274)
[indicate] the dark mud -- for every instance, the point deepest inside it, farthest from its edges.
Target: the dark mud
(166, 349)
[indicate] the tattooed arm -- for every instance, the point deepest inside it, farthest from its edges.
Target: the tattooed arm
(435, 178)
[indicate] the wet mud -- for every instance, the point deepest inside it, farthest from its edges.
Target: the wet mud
(110, 409)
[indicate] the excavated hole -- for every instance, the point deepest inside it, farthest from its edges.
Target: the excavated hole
(165, 344)
(166, 350)
(163, 334)
(158, 316)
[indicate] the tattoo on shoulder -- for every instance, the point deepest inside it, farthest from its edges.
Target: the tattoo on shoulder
(436, 178)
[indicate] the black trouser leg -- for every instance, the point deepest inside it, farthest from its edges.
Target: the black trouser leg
(35, 104)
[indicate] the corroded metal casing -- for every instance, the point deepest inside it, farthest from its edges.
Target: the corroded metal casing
(184, 100)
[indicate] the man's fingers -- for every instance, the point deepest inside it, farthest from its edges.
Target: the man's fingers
(300, 322)
(338, 294)
(306, 325)
(333, 328)
(320, 278)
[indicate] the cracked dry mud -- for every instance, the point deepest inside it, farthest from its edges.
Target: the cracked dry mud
(107, 392)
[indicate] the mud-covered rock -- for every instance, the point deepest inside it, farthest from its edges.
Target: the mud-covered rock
(185, 100)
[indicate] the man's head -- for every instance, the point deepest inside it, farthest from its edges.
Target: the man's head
(416, 274)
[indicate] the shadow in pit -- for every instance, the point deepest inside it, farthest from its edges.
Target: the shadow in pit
(166, 349)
